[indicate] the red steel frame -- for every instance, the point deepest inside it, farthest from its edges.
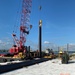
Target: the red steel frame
(24, 27)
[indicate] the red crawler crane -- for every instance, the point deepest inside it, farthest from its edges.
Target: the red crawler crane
(24, 28)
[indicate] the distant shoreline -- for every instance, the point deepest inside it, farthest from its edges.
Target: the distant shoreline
(55, 52)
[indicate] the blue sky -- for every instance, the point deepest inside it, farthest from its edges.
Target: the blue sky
(58, 18)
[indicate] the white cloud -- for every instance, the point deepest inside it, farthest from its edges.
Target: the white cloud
(71, 44)
(6, 43)
(1, 42)
(46, 42)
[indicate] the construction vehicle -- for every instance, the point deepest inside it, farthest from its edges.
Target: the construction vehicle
(49, 54)
(19, 49)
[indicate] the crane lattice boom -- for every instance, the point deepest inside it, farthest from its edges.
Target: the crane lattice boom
(25, 20)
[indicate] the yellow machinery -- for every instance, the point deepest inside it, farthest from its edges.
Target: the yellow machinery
(60, 53)
(19, 55)
(49, 55)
